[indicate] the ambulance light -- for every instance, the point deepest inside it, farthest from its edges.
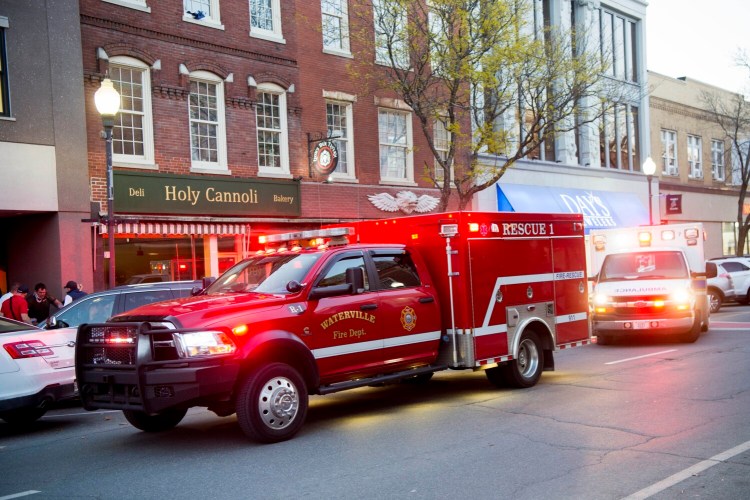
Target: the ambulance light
(473, 227)
(262, 239)
(308, 235)
(691, 233)
(644, 238)
(682, 299)
(667, 235)
(448, 230)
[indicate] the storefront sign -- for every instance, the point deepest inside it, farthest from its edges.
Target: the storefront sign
(325, 157)
(142, 193)
(600, 209)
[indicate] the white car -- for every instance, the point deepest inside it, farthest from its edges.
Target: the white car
(736, 272)
(37, 368)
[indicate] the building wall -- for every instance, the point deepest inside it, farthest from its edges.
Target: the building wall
(43, 180)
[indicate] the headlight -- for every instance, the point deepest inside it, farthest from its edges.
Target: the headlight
(206, 343)
(682, 298)
(601, 299)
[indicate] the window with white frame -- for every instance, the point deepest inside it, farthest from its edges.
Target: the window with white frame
(694, 155)
(132, 136)
(390, 33)
(339, 122)
(335, 25)
(395, 138)
(669, 152)
(265, 20)
(207, 123)
(131, 4)
(202, 12)
(441, 139)
(617, 36)
(270, 121)
(717, 160)
(4, 91)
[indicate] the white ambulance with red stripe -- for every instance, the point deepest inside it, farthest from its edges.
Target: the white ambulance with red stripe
(368, 303)
(649, 280)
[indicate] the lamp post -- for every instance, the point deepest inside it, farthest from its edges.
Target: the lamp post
(107, 101)
(649, 167)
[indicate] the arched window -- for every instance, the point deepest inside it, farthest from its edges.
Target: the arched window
(133, 134)
(271, 125)
(208, 143)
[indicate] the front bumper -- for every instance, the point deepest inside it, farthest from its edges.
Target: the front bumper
(657, 326)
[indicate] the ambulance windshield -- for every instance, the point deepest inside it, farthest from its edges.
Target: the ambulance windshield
(644, 265)
(265, 273)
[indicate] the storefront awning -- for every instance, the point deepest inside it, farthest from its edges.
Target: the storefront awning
(600, 209)
(183, 228)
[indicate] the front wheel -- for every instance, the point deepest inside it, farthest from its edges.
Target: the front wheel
(272, 403)
(525, 370)
(160, 422)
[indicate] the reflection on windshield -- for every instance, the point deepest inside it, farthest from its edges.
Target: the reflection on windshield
(644, 265)
(265, 273)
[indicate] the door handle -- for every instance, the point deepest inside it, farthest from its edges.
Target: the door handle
(426, 300)
(368, 307)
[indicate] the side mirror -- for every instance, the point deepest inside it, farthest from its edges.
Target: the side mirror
(355, 276)
(355, 282)
(294, 286)
(51, 323)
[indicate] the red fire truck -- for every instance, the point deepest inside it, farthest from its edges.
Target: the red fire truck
(316, 314)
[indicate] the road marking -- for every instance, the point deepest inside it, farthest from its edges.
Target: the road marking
(639, 357)
(22, 494)
(686, 473)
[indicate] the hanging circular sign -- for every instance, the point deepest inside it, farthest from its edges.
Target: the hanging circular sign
(325, 157)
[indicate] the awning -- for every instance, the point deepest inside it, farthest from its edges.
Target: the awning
(181, 228)
(600, 209)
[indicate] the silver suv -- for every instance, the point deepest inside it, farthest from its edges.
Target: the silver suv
(728, 281)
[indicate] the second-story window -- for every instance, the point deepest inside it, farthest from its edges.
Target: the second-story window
(717, 160)
(441, 138)
(270, 119)
(335, 25)
(207, 127)
(395, 135)
(339, 122)
(669, 152)
(4, 92)
(203, 12)
(265, 20)
(694, 156)
(390, 33)
(132, 136)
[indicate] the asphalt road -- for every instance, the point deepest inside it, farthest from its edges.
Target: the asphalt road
(639, 419)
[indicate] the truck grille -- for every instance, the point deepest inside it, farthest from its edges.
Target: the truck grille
(111, 346)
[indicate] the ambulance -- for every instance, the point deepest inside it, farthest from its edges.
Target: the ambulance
(363, 304)
(648, 280)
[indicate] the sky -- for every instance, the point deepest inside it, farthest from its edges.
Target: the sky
(699, 39)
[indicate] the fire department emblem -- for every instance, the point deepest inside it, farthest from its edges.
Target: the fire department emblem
(408, 318)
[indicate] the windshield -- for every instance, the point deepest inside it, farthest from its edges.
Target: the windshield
(265, 273)
(644, 265)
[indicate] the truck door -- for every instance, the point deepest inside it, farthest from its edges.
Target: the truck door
(408, 312)
(346, 329)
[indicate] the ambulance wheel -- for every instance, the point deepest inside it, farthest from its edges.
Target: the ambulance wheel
(160, 422)
(694, 332)
(525, 370)
(602, 339)
(272, 403)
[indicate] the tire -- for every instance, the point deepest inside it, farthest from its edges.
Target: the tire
(525, 370)
(160, 422)
(602, 339)
(272, 403)
(714, 300)
(693, 334)
(23, 416)
(496, 376)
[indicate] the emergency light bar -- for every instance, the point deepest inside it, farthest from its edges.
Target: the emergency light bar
(308, 235)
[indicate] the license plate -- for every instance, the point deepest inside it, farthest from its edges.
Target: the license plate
(641, 325)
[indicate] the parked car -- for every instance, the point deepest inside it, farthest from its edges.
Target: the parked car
(37, 369)
(97, 307)
(728, 281)
(147, 278)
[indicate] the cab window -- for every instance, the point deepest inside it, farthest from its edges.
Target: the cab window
(133, 300)
(336, 275)
(396, 271)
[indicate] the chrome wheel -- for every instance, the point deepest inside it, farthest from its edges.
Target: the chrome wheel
(278, 402)
(528, 358)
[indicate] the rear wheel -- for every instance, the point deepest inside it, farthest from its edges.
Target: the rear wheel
(525, 370)
(714, 300)
(272, 403)
(160, 422)
(23, 415)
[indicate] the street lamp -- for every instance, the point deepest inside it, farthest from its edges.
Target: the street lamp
(108, 104)
(649, 167)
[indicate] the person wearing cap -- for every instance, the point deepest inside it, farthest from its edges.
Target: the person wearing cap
(16, 307)
(72, 292)
(39, 304)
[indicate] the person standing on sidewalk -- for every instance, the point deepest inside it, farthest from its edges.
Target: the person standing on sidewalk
(16, 306)
(72, 292)
(39, 304)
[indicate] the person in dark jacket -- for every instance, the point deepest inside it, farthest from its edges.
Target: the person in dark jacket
(72, 292)
(39, 304)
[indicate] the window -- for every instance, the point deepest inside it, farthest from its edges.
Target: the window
(394, 132)
(396, 271)
(618, 137)
(207, 127)
(617, 38)
(131, 4)
(336, 275)
(265, 20)
(132, 136)
(732, 266)
(202, 12)
(4, 91)
(339, 121)
(335, 25)
(441, 139)
(717, 160)
(669, 152)
(390, 33)
(270, 120)
(694, 154)
(135, 299)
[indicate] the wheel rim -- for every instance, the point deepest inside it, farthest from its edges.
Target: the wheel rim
(528, 358)
(278, 402)
(714, 301)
